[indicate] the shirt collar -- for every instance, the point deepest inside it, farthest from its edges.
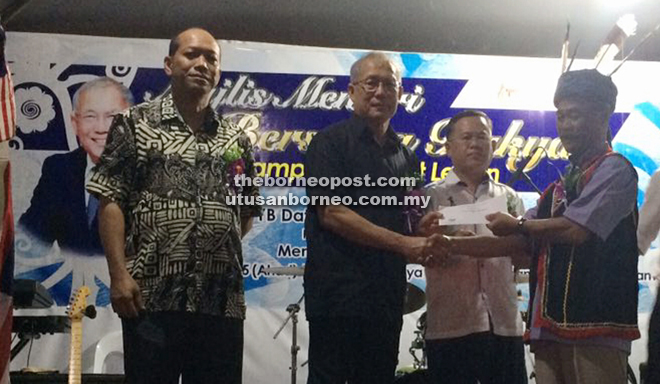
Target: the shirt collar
(169, 113)
(362, 131)
(89, 165)
(453, 179)
(584, 161)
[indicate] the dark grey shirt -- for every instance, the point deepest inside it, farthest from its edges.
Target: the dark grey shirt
(343, 278)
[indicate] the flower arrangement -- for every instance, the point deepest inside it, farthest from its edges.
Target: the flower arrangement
(571, 182)
(512, 205)
(233, 157)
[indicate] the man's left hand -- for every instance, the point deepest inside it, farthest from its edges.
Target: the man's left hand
(428, 225)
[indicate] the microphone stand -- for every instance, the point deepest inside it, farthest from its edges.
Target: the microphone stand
(293, 310)
(520, 174)
(529, 181)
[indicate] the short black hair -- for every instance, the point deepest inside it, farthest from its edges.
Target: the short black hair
(174, 45)
(467, 113)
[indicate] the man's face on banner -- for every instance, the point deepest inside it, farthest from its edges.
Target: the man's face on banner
(376, 92)
(93, 115)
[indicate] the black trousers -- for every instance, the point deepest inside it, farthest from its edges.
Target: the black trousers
(159, 347)
(653, 362)
(483, 357)
(353, 350)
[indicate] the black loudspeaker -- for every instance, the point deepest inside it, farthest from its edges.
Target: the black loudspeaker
(29, 378)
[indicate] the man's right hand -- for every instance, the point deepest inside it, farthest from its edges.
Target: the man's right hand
(125, 296)
(415, 249)
(437, 251)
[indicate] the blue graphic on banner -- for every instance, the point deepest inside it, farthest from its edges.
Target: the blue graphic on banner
(638, 141)
(650, 111)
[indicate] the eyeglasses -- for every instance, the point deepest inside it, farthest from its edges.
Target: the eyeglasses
(371, 85)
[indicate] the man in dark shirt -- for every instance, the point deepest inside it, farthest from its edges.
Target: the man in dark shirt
(355, 271)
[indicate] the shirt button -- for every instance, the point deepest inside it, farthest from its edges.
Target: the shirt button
(199, 266)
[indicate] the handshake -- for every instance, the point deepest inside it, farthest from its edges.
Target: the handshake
(434, 244)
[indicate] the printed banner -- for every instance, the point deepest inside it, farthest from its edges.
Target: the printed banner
(281, 96)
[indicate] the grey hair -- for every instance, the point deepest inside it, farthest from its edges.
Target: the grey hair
(102, 82)
(356, 68)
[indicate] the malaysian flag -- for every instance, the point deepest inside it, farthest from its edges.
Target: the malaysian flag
(6, 279)
(7, 131)
(7, 106)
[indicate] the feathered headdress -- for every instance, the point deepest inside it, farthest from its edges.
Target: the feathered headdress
(625, 27)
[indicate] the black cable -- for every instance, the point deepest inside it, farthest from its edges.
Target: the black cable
(29, 352)
(547, 156)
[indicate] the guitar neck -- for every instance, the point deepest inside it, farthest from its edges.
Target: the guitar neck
(75, 353)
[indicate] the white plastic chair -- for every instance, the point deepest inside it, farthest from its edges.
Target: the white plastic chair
(109, 344)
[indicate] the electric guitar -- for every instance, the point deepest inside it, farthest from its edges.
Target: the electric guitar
(76, 312)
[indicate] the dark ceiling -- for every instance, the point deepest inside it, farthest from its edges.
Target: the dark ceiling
(489, 27)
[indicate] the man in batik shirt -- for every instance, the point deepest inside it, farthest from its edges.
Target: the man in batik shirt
(172, 242)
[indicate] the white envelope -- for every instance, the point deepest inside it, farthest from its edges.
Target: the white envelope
(468, 214)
